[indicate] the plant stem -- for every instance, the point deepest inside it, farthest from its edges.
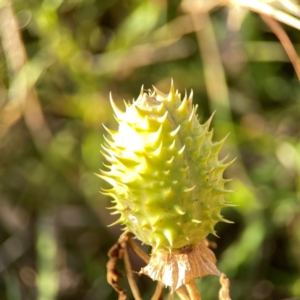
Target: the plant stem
(137, 250)
(132, 283)
(193, 291)
(158, 291)
(182, 293)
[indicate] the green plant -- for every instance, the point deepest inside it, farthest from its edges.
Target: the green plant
(167, 183)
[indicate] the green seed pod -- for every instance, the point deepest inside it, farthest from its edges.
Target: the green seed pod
(166, 178)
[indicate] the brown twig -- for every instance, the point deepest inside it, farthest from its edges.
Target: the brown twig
(285, 42)
(158, 294)
(171, 295)
(182, 293)
(140, 253)
(193, 291)
(133, 286)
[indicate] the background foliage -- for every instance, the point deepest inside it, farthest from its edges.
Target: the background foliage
(59, 61)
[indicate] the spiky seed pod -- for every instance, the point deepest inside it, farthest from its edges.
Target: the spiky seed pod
(166, 178)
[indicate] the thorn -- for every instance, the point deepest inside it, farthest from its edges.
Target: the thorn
(119, 114)
(112, 207)
(140, 97)
(107, 166)
(155, 221)
(181, 150)
(172, 146)
(171, 95)
(158, 243)
(128, 162)
(185, 95)
(223, 159)
(168, 235)
(169, 162)
(174, 132)
(119, 221)
(227, 221)
(189, 189)
(179, 210)
(110, 143)
(190, 100)
(156, 136)
(127, 104)
(111, 132)
(157, 152)
(167, 193)
(192, 114)
(160, 95)
(207, 123)
(183, 106)
(163, 118)
(213, 232)
(140, 113)
(196, 221)
(107, 179)
(110, 159)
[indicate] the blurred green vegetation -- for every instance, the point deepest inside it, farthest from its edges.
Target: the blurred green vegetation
(60, 59)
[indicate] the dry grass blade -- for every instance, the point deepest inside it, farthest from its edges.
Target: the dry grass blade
(224, 291)
(25, 101)
(266, 9)
(285, 42)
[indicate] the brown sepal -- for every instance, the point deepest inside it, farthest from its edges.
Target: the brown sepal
(179, 268)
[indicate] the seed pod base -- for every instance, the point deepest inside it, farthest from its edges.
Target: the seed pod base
(177, 269)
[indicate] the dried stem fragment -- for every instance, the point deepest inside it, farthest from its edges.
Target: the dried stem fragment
(113, 276)
(224, 291)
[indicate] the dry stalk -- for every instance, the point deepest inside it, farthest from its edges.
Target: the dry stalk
(140, 253)
(133, 286)
(264, 8)
(113, 275)
(158, 294)
(23, 97)
(193, 291)
(285, 42)
(182, 293)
